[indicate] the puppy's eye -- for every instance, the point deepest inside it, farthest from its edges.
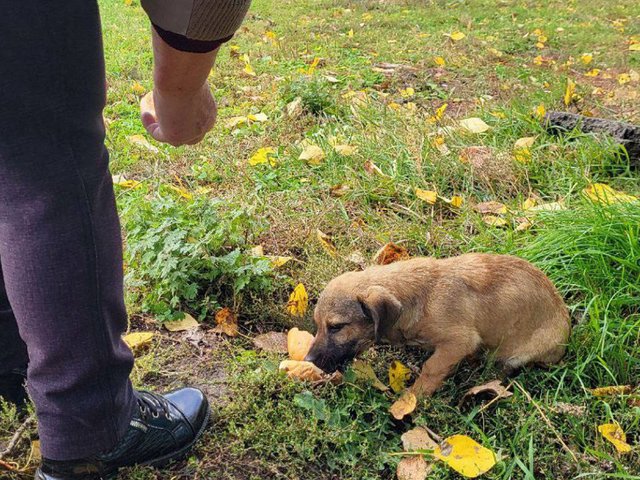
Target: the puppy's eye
(337, 327)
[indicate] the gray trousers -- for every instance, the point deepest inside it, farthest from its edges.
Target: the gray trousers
(61, 291)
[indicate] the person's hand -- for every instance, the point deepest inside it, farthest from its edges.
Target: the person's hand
(179, 118)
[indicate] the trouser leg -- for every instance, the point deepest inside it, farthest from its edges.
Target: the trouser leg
(60, 243)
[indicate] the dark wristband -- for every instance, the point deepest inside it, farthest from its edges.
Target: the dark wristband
(184, 44)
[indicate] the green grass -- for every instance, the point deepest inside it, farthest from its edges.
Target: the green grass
(269, 427)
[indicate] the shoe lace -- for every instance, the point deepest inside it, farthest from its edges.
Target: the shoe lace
(152, 404)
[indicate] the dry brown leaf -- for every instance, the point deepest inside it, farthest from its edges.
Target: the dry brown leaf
(417, 439)
(339, 190)
(301, 370)
(308, 371)
(414, 467)
(226, 322)
(494, 208)
(272, 342)
(298, 343)
(295, 108)
(494, 389)
(372, 169)
(390, 253)
(406, 404)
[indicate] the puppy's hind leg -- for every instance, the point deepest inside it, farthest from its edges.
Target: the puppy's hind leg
(438, 367)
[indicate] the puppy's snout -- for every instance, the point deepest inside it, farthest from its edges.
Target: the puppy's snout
(311, 357)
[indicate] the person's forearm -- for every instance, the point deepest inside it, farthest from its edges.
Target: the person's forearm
(179, 73)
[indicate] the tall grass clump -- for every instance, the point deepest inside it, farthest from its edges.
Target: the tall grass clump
(592, 254)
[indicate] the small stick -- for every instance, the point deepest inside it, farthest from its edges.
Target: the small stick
(16, 437)
(547, 421)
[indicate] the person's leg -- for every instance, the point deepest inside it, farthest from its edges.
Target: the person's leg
(60, 243)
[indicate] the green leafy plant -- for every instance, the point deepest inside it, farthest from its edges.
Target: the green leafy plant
(190, 254)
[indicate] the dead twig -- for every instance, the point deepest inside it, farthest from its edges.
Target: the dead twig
(547, 421)
(16, 437)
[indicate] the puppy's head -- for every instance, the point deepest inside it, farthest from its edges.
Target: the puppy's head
(349, 321)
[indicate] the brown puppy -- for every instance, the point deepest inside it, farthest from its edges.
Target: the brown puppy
(455, 306)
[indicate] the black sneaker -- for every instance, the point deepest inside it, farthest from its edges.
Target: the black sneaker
(164, 428)
(12, 388)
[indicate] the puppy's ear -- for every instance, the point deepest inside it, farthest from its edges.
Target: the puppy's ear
(381, 307)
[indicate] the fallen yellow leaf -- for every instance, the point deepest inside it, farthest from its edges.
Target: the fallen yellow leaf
(611, 391)
(407, 92)
(456, 201)
(465, 456)
(439, 114)
(398, 376)
(615, 434)
(570, 92)
(140, 141)
(456, 36)
(428, 196)
(278, 261)
(525, 142)
(234, 122)
(495, 208)
(263, 155)
(183, 192)
(120, 181)
(298, 343)
(298, 301)
(474, 125)
(540, 111)
(186, 323)
(440, 61)
(258, 117)
(406, 404)
(624, 78)
(593, 72)
(137, 88)
(226, 322)
(586, 58)
(602, 193)
(494, 221)
(634, 47)
(364, 371)
(326, 243)
(345, 150)
(312, 154)
(138, 340)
